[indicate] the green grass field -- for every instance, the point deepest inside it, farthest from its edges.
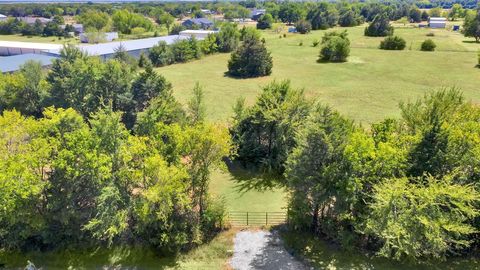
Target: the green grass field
(367, 88)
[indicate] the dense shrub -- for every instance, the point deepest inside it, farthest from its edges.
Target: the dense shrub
(323, 16)
(335, 47)
(161, 54)
(228, 37)
(251, 59)
(176, 29)
(186, 50)
(350, 18)
(379, 27)
(393, 43)
(428, 46)
(265, 22)
(303, 26)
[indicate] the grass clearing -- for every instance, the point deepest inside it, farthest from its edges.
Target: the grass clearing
(367, 88)
(229, 186)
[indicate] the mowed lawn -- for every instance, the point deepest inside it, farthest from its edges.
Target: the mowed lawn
(367, 88)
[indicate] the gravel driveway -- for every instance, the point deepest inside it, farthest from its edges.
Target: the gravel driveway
(262, 250)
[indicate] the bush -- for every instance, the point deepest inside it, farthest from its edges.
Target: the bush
(176, 29)
(228, 37)
(428, 46)
(431, 34)
(300, 43)
(251, 59)
(335, 47)
(186, 50)
(161, 54)
(379, 27)
(315, 43)
(303, 26)
(393, 43)
(265, 22)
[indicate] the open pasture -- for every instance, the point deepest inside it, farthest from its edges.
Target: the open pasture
(367, 88)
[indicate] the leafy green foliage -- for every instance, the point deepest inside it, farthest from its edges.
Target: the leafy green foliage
(428, 46)
(124, 21)
(323, 16)
(264, 132)
(303, 26)
(471, 26)
(417, 222)
(393, 43)
(251, 59)
(265, 21)
(335, 47)
(379, 27)
(406, 188)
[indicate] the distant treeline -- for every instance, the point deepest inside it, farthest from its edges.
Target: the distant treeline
(182, 9)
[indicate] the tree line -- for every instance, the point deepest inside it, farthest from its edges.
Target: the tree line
(94, 153)
(405, 188)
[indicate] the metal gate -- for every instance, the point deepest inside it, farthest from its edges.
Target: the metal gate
(238, 219)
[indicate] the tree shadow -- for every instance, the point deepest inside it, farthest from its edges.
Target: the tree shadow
(275, 256)
(470, 41)
(249, 177)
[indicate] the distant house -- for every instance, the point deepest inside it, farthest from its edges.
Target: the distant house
(77, 27)
(3, 18)
(32, 20)
(437, 22)
(202, 23)
(255, 14)
(206, 11)
(109, 36)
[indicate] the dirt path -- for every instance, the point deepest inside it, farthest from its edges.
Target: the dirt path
(262, 250)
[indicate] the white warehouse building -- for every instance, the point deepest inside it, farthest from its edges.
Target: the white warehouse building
(8, 48)
(437, 22)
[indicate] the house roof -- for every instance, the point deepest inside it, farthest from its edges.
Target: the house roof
(441, 19)
(30, 45)
(14, 63)
(200, 21)
(256, 12)
(128, 45)
(2, 16)
(192, 32)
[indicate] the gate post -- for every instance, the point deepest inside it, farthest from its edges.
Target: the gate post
(247, 218)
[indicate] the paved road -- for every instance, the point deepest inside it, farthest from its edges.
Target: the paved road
(262, 250)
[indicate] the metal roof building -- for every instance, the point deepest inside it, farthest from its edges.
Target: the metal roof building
(437, 22)
(198, 34)
(133, 47)
(13, 63)
(16, 47)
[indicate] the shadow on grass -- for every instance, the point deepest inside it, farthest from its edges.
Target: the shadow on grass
(470, 41)
(248, 177)
(226, 74)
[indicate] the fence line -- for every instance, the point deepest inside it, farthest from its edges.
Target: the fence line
(247, 218)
